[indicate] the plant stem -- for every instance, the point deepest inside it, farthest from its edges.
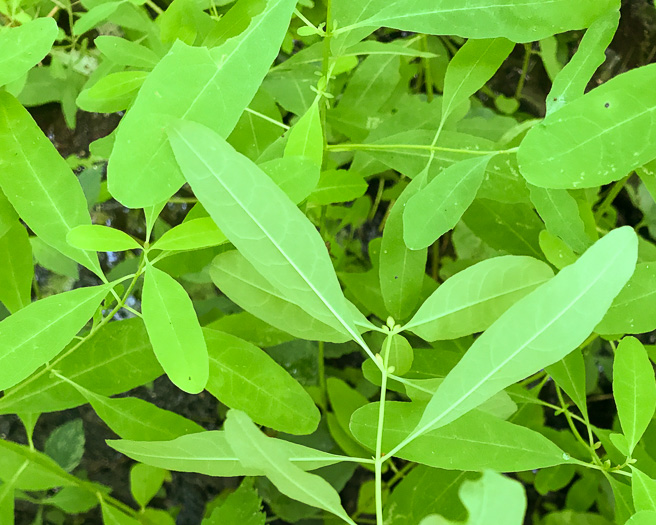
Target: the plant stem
(522, 79)
(420, 147)
(325, 66)
(428, 74)
(322, 377)
(610, 197)
(379, 433)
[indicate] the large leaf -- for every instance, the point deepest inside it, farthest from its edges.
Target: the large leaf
(473, 299)
(257, 451)
(244, 377)
(519, 21)
(23, 47)
(240, 281)
(39, 184)
(591, 140)
(264, 225)
(211, 86)
(634, 389)
(37, 333)
(438, 207)
(174, 331)
(538, 330)
(209, 453)
(117, 358)
(476, 441)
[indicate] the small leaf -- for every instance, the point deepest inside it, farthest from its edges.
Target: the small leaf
(23, 47)
(65, 444)
(124, 52)
(306, 137)
(473, 299)
(174, 331)
(145, 482)
(37, 333)
(634, 389)
(114, 92)
(644, 490)
(538, 330)
(438, 207)
(244, 377)
(255, 450)
(95, 16)
(338, 186)
(113, 516)
(29, 469)
(242, 506)
(569, 374)
(101, 239)
(17, 268)
(191, 235)
(494, 497)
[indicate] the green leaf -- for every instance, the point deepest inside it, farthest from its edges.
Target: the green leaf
(401, 270)
(572, 80)
(242, 506)
(306, 137)
(191, 235)
(174, 331)
(244, 377)
(567, 150)
(114, 92)
(112, 515)
(209, 453)
(29, 469)
(65, 444)
(145, 482)
(475, 441)
(560, 213)
(23, 47)
(493, 497)
(136, 419)
(95, 16)
(371, 84)
(470, 68)
(634, 389)
(520, 22)
(537, 330)
(644, 490)
(473, 299)
(187, 83)
(569, 374)
(631, 311)
(35, 334)
(125, 52)
(17, 268)
(260, 220)
(645, 517)
(39, 184)
(338, 186)
(117, 358)
(255, 450)
(240, 281)
(99, 238)
(438, 207)
(296, 176)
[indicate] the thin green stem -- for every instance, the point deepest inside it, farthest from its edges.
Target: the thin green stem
(263, 117)
(379, 432)
(610, 197)
(419, 147)
(522, 79)
(572, 426)
(428, 74)
(322, 377)
(154, 7)
(325, 66)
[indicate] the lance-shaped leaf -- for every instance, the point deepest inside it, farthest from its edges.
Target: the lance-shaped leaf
(591, 141)
(39, 184)
(37, 333)
(125, 52)
(191, 235)
(438, 207)
(244, 377)
(211, 86)
(257, 451)
(571, 81)
(264, 225)
(560, 213)
(471, 67)
(98, 238)
(209, 453)
(241, 282)
(569, 374)
(16, 269)
(524, 21)
(473, 299)
(644, 490)
(634, 389)
(475, 441)
(306, 137)
(23, 47)
(401, 270)
(538, 330)
(117, 358)
(174, 331)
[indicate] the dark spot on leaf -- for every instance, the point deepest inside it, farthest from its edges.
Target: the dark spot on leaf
(607, 105)
(396, 277)
(555, 99)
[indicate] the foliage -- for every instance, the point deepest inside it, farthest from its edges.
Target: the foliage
(390, 273)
